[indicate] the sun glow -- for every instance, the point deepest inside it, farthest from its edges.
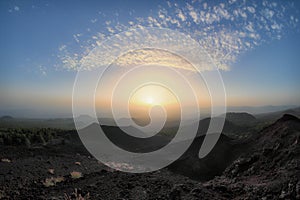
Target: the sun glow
(149, 96)
(152, 95)
(150, 100)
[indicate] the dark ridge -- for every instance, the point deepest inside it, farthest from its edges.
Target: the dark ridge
(222, 155)
(127, 142)
(288, 117)
(242, 119)
(240, 115)
(6, 117)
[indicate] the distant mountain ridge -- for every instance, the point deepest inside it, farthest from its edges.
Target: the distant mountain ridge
(256, 110)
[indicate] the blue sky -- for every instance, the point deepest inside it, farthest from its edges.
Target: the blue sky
(263, 69)
(268, 74)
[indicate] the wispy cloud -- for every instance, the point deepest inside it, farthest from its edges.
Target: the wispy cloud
(224, 30)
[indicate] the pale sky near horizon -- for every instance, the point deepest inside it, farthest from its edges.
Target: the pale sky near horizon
(255, 45)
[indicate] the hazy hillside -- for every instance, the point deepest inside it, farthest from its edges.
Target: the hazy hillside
(241, 119)
(230, 129)
(272, 116)
(63, 123)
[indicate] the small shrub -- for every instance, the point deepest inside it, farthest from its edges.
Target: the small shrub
(2, 194)
(77, 195)
(27, 142)
(41, 139)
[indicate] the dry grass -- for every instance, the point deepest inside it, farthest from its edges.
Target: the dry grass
(49, 182)
(75, 175)
(5, 160)
(78, 163)
(51, 171)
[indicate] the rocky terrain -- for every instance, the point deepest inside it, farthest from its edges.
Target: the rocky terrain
(264, 166)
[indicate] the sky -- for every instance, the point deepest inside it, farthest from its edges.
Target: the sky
(254, 44)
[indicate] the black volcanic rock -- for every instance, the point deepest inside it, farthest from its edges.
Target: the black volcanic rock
(271, 167)
(265, 166)
(277, 144)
